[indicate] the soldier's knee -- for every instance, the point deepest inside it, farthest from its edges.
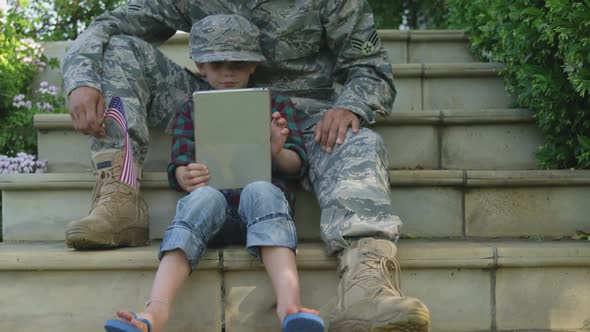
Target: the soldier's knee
(366, 138)
(119, 40)
(129, 45)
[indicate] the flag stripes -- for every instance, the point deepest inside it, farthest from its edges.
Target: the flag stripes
(116, 111)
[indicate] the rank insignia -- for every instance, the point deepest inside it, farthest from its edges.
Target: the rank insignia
(369, 46)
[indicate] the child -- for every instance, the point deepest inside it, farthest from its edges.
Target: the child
(226, 50)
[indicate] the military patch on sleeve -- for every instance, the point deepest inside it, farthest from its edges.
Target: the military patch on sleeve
(369, 46)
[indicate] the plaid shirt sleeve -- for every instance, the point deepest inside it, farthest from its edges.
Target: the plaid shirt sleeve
(183, 147)
(183, 142)
(283, 105)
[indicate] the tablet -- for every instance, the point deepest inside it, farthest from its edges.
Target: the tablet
(232, 135)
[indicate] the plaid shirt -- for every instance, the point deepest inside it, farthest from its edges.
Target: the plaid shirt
(183, 148)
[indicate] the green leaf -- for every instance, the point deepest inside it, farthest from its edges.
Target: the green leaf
(584, 142)
(408, 236)
(536, 237)
(532, 11)
(580, 235)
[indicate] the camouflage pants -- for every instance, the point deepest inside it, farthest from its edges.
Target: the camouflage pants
(352, 187)
(152, 88)
(351, 183)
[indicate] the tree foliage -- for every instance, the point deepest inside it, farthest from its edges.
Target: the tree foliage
(17, 67)
(60, 19)
(546, 48)
(409, 14)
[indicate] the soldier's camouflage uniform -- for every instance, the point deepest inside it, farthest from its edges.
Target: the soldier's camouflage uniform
(309, 45)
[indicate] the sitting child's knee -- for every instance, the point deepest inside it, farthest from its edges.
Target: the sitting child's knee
(205, 195)
(258, 187)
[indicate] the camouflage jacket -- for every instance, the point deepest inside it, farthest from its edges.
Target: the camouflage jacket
(309, 46)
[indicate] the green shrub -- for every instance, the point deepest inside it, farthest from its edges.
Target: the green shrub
(21, 28)
(413, 14)
(16, 58)
(546, 48)
(20, 59)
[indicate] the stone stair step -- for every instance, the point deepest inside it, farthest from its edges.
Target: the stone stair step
(491, 139)
(438, 46)
(433, 70)
(453, 86)
(432, 203)
(423, 46)
(426, 46)
(468, 286)
(78, 291)
(433, 86)
(440, 139)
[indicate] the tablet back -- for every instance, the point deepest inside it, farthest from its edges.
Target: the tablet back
(232, 135)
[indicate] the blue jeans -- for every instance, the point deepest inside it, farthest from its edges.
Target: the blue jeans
(263, 216)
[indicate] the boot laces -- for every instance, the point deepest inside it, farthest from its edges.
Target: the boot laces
(104, 178)
(381, 272)
(98, 175)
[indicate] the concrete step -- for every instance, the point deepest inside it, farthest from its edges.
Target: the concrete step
(417, 46)
(429, 86)
(452, 86)
(424, 46)
(468, 286)
(448, 139)
(432, 203)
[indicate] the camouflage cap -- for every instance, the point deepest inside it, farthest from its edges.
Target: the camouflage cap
(225, 38)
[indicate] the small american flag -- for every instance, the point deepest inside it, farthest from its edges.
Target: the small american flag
(116, 111)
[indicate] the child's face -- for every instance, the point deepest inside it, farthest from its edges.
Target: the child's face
(227, 74)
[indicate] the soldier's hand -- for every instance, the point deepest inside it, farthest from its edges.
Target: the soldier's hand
(332, 128)
(192, 176)
(86, 107)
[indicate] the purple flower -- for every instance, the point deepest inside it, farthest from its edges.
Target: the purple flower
(19, 101)
(45, 106)
(22, 163)
(53, 90)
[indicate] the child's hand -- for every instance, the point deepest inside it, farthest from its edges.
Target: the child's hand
(278, 134)
(192, 176)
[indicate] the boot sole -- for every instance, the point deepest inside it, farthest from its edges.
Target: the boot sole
(364, 326)
(83, 240)
(402, 327)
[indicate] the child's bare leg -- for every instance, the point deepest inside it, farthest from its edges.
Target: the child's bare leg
(282, 269)
(199, 216)
(172, 272)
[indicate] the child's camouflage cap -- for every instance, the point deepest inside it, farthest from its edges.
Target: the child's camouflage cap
(224, 38)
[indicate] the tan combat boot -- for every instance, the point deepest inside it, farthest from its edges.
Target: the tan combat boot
(118, 216)
(368, 300)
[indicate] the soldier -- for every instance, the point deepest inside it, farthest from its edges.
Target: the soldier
(309, 45)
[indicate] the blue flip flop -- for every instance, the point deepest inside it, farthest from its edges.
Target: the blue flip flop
(115, 325)
(303, 322)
